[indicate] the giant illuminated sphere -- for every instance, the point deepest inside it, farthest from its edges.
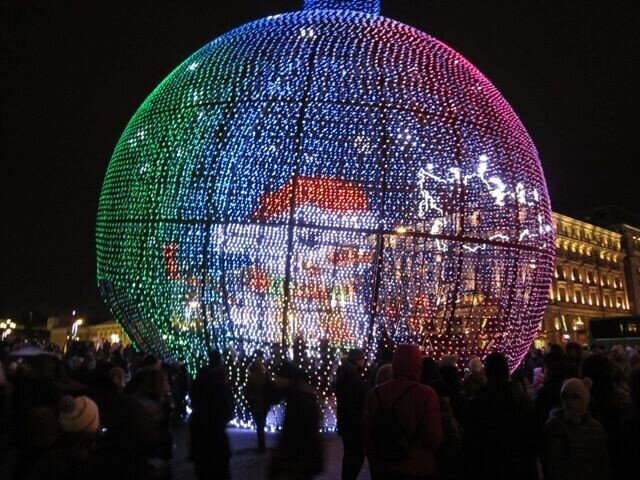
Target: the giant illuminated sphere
(329, 175)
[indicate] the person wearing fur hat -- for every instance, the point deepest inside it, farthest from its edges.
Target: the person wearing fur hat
(575, 444)
(350, 396)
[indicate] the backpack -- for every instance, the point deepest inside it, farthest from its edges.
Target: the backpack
(391, 443)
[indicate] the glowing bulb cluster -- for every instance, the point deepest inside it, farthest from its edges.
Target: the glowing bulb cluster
(321, 180)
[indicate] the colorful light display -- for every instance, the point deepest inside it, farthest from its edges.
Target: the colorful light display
(320, 180)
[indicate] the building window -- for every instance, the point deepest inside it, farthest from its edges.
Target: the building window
(578, 297)
(575, 274)
(578, 323)
(562, 294)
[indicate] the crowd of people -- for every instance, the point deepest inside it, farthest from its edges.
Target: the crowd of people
(565, 412)
(89, 411)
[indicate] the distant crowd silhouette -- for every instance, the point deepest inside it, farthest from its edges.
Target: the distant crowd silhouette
(107, 411)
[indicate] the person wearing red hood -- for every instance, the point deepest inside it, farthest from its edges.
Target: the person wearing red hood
(402, 424)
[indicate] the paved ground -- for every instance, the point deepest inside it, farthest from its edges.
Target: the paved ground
(247, 463)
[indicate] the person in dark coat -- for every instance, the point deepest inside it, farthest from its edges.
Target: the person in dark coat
(386, 356)
(258, 393)
(609, 400)
(138, 437)
(299, 454)
(415, 412)
(350, 397)
(34, 410)
(474, 380)
(630, 427)
(575, 444)
(212, 409)
(532, 360)
(450, 454)
(556, 369)
(450, 376)
(574, 359)
(181, 389)
(499, 428)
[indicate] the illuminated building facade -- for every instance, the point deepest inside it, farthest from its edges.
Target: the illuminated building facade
(63, 329)
(589, 280)
(627, 224)
(631, 246)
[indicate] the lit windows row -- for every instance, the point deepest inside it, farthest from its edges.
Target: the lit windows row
(567, 323)
(608, 300)
(590, 278)
(586, 235)
(583, 250)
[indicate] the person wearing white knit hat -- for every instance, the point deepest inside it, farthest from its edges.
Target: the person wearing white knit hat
(575, 445)
(73, 454)
(78, 414)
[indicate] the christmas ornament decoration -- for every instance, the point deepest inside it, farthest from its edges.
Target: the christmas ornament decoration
(321, 180)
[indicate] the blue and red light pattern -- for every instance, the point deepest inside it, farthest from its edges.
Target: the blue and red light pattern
(321, 180)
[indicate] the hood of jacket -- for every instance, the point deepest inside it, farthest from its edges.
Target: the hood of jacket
(407, 362)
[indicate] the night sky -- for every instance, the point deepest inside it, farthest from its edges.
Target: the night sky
(74, 72)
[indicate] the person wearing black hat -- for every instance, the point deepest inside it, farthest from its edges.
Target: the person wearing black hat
(350, 395)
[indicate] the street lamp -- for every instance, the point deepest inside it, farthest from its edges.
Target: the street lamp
(7, 326)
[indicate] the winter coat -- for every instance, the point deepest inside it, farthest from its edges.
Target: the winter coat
(137, 426)
(299, 453)
(350, 397)
(500, 434)
(73, 456)
(472, 383)
(450, 453)
(608, 407)
(575, 450)
(258, 392)
(630, 439)
(212, 407)
(546, 400)
(418, 412)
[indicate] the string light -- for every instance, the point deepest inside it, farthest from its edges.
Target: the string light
(322, 180)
